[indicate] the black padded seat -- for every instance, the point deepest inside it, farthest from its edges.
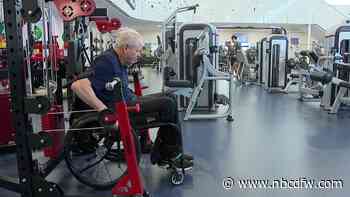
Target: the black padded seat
(343, 67)
(178, 84)
(323, 77)
(344, 84)
(294, 76)
(168, 72)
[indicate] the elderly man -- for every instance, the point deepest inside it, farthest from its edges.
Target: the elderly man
(155, 107)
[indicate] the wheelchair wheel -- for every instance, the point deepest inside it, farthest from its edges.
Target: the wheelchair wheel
(96, 157)
(176, 178)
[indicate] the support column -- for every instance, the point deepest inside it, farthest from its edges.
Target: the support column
(309, 37)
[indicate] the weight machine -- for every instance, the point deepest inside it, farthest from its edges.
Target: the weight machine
(198, 74)
(338, 47)
(31, 181)
(169, 37)
(252, 72)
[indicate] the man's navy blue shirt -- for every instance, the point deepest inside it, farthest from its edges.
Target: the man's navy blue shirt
(107, 66)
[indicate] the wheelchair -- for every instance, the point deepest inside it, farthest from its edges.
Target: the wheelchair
(95, 156)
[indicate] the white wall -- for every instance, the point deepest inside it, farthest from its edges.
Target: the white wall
(244, 11)
(150, 36)
(345, 9)
(253, 36)
(156, 10)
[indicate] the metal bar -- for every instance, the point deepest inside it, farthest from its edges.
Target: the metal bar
(130, 4)
(67, 27)
(77, 129)
(10, 184)
(345, 100)
(309, 91)
(86, 54)
(46, 66)
(337, 102)
(218, 78)
(70, 112)
(343, 64)
(179, 10)
(51, 48)
(29, 69)
(20, 120)
(91, 46)
(309, 29)
(251, 27)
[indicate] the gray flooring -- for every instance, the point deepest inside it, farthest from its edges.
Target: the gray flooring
(274, 136)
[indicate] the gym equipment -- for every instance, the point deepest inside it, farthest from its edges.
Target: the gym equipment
(31, 179)
(337, 47)
(104, 25)
(192, 88)
(36, 61)
(274, 57)
(305, 63)
(252, 71)
(223, 60)
(28, 182)
(343, 88)
(169, 37)
(70, 10)
(259, 60)
(52, 121)
(7, 132)
(187, 70)
(31, 11)
(334, 87)
(264, 60)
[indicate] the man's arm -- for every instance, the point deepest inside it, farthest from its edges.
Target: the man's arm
(85, 92)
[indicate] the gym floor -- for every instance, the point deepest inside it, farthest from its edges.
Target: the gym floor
(274, 136)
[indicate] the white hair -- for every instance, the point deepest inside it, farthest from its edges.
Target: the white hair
(125, 37)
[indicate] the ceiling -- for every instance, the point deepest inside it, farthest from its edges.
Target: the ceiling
(151, 26)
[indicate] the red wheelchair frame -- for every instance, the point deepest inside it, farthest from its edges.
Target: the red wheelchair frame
(131, 183)
(138, 92)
